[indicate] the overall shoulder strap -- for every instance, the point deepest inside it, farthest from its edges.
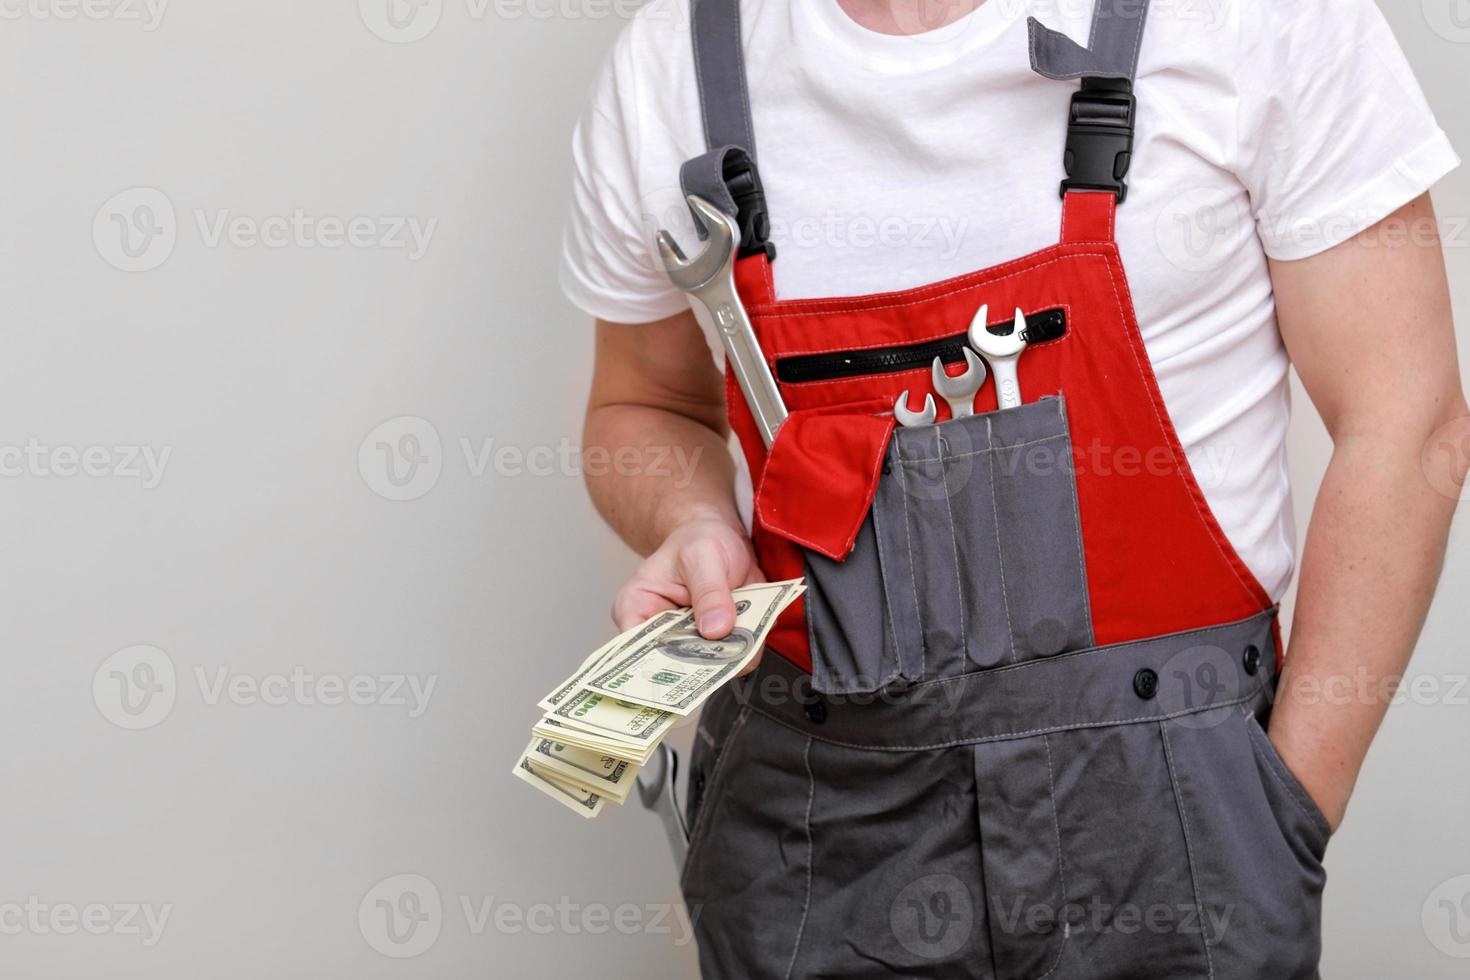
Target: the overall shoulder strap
(1100, 125)
(725, 174)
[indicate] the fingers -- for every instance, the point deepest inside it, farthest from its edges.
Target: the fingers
(637, 602)
(706, 572)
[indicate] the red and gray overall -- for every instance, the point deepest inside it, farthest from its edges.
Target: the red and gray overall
(1017, 731)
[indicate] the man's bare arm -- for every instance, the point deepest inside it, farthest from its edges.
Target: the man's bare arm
(657, 396)
(1369, 328)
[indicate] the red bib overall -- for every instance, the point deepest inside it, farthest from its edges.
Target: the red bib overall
(1022, 705)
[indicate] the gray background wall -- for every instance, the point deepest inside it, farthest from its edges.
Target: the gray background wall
(264, 542)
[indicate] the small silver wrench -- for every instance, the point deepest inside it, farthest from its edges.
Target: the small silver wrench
(960, 390)
(656, 783)
(709, 278)
(913, 420)
(1001, 352)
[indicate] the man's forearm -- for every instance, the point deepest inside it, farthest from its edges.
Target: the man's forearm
(1373, 555)
(674, 469)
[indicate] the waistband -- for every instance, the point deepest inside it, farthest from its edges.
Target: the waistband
(1128, 683)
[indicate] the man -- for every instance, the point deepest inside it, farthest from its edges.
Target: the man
(1102, 632)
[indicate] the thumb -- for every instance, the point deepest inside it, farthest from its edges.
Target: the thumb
(706, 573)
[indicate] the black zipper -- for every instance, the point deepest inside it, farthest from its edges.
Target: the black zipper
(1040, 328)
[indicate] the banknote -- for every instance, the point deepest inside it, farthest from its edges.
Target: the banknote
(607, 775)
(557, 732)
(675, 669)
(605, 721)
(636, 725)
(575, 798)
(640, 632)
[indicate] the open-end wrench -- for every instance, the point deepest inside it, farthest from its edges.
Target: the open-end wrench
(912, 420)
(656, 791)
(709, 278)
(959, 390)
(1001, 352)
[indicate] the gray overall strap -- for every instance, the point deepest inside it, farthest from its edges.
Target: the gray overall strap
(1100, 126)
(1112, 48)
(725, 175)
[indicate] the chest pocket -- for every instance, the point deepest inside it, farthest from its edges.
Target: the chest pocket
(971, 557)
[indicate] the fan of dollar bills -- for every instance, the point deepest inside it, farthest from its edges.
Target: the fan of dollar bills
(605, 721)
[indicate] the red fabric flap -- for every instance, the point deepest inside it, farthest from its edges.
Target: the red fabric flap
(820, 477)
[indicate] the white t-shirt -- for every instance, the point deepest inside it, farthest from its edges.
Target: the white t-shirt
(1266, 128)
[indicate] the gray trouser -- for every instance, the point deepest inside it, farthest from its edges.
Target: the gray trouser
(1109, 813)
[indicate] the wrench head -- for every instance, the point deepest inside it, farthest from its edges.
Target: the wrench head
(959, 387)
(995, 346)
(722, 240)
(912, 420)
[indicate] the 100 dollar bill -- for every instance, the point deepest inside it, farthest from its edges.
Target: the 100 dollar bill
(606, 775)
(675, 669)
(635, 635)
(576, 798)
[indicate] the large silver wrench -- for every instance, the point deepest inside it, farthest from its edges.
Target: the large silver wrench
(1001, 352)
(960, 389)
(709, 278)
(656, 791)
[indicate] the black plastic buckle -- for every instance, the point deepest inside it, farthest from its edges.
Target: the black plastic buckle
(1100, 137)
(744, 183)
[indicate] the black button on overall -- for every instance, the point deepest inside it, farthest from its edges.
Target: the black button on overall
(1252, 659)
(1146, 684)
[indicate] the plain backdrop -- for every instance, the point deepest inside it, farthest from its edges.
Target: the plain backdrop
(293, 537)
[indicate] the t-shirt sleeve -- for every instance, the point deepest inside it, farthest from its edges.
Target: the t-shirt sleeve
(608, 266)
(1334, 131)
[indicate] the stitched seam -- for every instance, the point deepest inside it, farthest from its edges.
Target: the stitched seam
(939, 290)
(991, 449)
(1004, 736)
(1077, 518)
(887, 593)
(1051, 783)
(1199, 906)
(709, 139)
(811, 854)
(1137, 43)
(1104, 650)
(1000, 558)
(909, 544)
(741, 84)
(954, 541)
(1308, 808)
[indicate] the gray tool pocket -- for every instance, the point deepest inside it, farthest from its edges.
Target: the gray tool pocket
(971, 557)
